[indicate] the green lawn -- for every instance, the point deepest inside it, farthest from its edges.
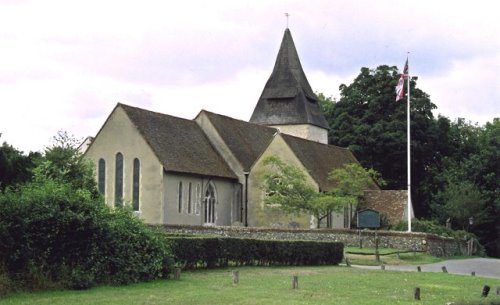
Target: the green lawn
(272, 285)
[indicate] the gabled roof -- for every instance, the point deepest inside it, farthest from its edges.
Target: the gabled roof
(319, 159)
(180, 145)
(287, 98)
(246, 141)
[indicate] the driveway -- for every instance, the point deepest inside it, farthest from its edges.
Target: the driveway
(483, 267)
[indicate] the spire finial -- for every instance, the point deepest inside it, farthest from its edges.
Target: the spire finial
(287, 16)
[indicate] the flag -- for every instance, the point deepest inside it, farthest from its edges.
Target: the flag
(400, 88)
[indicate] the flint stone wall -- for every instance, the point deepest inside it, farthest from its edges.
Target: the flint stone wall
(405, 241)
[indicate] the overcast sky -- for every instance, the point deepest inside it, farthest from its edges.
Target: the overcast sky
(65, 64)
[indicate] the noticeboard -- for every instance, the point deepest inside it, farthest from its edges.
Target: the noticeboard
(369, 218)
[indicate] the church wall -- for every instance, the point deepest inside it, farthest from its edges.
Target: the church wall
(182, 208)
(262, 215)
(305, 131)
(119, 135)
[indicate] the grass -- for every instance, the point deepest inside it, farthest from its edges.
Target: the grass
(365, 256)
(272, 285)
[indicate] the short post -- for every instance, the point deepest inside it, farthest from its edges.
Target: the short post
(382, 267)
(473, 273)
(486, 290)
(295, 282)
(377, 254)
(444, 269)
(416, 293)
(398, 255)
(177, 273)
(236, 276)
(360, 240)
(419, 269)
(348, 262)
(498, 290)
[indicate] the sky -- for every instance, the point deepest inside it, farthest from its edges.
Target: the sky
(64, 65)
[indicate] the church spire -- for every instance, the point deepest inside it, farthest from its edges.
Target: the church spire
(287, 98)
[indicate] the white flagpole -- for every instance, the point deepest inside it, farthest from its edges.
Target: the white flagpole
(408, 150)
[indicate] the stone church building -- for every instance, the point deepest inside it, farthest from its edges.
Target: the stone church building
(209, 170)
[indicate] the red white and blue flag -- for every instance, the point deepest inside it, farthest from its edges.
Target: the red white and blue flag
(400, 88)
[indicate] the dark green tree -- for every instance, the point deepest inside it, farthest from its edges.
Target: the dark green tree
(369, 121)
(15, 167)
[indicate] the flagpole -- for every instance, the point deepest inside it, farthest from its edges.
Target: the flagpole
(408, 141)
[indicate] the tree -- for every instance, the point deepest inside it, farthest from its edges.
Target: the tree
(15, 167)
(286, 186)
(64, 162)
(369, 121)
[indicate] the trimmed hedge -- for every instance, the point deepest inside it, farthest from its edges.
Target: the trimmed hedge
(219, 252)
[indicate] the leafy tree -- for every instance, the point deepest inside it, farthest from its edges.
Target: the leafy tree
(369, 121)
(15, 167)
(286, 186)
(64, 162)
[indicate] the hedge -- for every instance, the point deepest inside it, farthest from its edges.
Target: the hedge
(195, 252)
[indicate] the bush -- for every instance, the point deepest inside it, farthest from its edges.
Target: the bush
(429, 226)
(219, 252)
(52, 235)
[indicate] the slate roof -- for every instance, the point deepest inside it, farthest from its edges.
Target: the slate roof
(287, 97)
(246, 141)
(319, 159)
(180, 145)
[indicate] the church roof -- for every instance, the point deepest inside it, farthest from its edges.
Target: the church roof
(180, 144)
(319, 159)
(287, 98)
(246, 141)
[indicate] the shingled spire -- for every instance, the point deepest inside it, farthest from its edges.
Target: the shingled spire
(287, 98)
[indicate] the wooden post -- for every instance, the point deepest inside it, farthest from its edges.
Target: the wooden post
(398, 255)
(486, 290)
(416, 293)
(419, 269)
(177, 273)
(295, 282)
(360, 240)
(348, 262)
(473, 273)
(498, 290)
(444, 269)
(236, 276)
(377, 254)
(382, 267)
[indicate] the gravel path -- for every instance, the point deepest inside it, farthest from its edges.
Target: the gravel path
(483, 267)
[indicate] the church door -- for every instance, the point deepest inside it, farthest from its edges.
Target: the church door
(209, 205)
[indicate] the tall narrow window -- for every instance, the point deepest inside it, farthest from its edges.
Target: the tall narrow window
(135, 185)
(101, 176)
(118, 179)
(209, 205)
(197, 200)
(190, 208)
(180, 196)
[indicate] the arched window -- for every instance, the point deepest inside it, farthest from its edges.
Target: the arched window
(118, 179)
(209, 205)
(135, 184)
(101, 176)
